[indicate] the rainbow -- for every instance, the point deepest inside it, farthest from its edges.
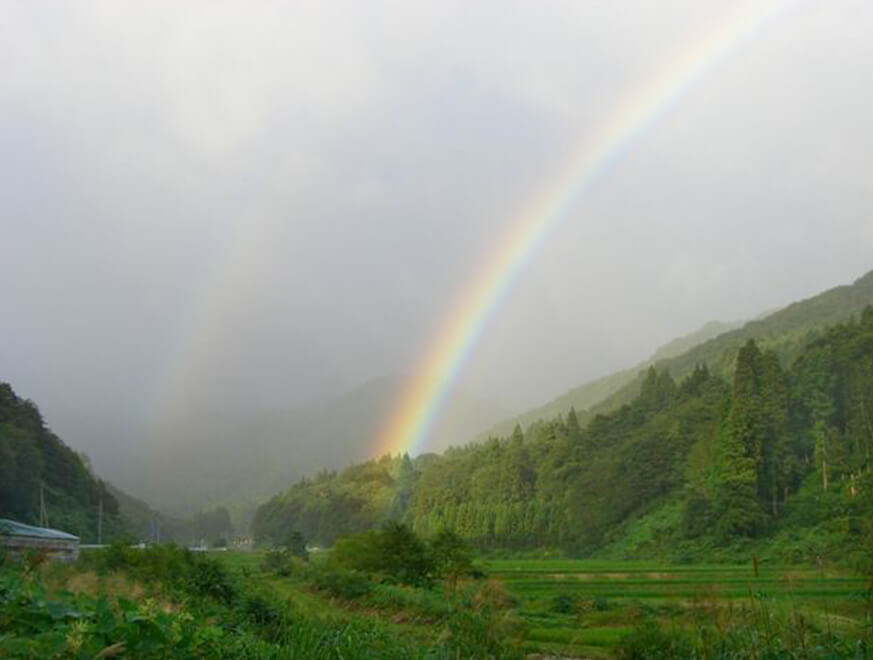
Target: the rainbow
(413, 417)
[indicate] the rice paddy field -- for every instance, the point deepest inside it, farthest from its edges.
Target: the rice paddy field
(582, 608)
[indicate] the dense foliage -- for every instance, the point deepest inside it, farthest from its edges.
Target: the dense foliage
(166, 602)
(732, 461)
(398, 553)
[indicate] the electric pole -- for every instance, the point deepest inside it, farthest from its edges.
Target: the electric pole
(43, 514)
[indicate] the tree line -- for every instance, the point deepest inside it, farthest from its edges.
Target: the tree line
(732, 455)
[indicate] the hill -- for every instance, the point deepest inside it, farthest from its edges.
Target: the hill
(35, 464)
(590, 394)
(773, 459)
(785, 331)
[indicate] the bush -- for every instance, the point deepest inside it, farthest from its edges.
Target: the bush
(492, 595)
(483, 633)
(294, 544)
(563, 604)
(649, 642)
(174, 567)
(393, 551)
(341, 583)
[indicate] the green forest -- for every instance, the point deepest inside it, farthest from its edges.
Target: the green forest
(773, 461)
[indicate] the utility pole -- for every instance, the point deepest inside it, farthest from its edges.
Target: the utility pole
(100, 523)
(43, 514)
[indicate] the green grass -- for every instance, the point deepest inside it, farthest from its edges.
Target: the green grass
(606, 636)
(584, 608)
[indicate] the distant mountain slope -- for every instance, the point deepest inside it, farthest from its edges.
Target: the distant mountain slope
(786, 331)
(680, 345)
(590, 394)
(146, 524)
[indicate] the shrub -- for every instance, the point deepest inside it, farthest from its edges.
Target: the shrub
(649, 642)
(493, 595)
(283, 563)
(294, 544)
(563, 604)
(341, 583)
(178, 568)
(483, 633)
(394, 551)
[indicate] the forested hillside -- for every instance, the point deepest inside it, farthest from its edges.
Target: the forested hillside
(785, 331)
(32, 458)
(779, 452)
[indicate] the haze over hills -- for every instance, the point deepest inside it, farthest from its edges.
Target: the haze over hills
(240, 462)
(237, 461)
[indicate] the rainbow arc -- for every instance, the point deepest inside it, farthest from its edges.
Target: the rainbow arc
(411, 421)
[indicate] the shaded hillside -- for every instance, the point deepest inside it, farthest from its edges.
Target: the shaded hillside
(146, 524)
(776, 453)
(716, 344)
(35, 463)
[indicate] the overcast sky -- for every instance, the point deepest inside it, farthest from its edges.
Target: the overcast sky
(251, 205)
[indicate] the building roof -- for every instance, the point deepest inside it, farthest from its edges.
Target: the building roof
(20, 529)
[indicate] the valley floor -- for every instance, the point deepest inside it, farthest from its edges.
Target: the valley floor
(584, 608)
(166, 602)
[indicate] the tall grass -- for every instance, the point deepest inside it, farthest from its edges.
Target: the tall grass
(758, 627)
(194, 606)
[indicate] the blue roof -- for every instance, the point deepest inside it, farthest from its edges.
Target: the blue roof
(20, 529)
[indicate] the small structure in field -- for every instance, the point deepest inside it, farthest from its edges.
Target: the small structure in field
(17, 538)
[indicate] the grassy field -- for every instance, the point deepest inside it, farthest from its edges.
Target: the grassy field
(584, 607)
(167, 602)
(569, 608)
